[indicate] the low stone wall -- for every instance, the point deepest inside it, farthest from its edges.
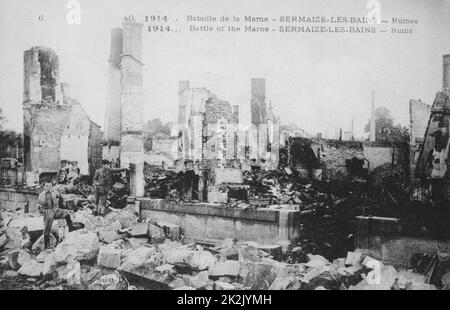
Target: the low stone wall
(215, 221)
(390, 240)
(12, 198)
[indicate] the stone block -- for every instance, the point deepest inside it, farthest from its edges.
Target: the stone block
(184, 288)
(200, 280)
(49, 264)
(108, 236)
(70, 273)
(137, 258)
(127, 217)
(353, 258)
(23, 257)
(223, 286)
(31, 269)
(172, 231)
(226, 268)
(14, 237)
(140, 230)
(78, 245)
(156, 234)
(108, 257)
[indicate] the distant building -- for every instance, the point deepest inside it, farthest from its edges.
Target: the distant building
(208, 129)
(207, 126)
(263, 141)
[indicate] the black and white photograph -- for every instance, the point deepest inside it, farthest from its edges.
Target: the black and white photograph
(241, 146)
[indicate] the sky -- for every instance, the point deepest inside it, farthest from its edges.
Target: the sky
(318, 81)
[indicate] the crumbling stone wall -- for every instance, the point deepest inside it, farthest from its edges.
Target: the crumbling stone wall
(94, 147)
(75, 138)
(419, 113)
(208, 125)
(438, 123)
(332, 155)
(43, 128)
(41, 75)
(56, 127)
(387, 159)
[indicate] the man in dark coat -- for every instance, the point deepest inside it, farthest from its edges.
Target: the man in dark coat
(103, 181)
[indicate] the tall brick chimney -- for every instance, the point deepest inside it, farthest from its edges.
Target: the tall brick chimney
(446, 73)
(132, 40)
(116, 46)
(131, 104)
(113, 116)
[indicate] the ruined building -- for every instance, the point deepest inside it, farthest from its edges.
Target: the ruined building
(113, 117)
(419, 113)
(207, 126)
(263, 137)
(123, 142)
(209, 131)
(56, 128)
(433, 160)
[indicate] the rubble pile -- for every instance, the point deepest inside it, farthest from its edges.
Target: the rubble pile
(164, 184)
(144, 257)
(326, 216)
(118, 252)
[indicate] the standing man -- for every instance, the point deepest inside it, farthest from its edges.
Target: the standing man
(49, 205)
(103, 182)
